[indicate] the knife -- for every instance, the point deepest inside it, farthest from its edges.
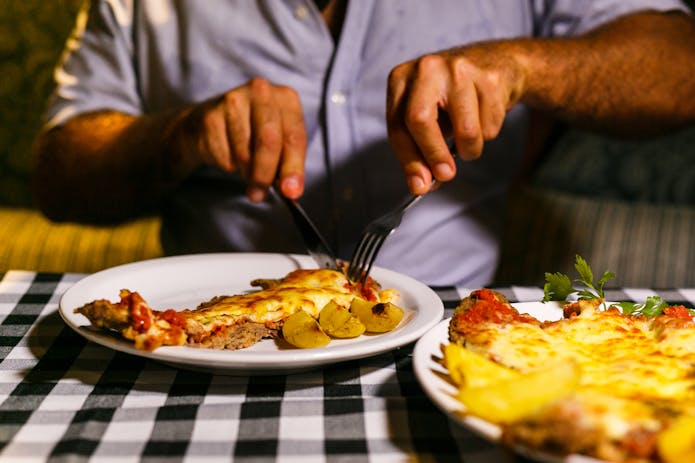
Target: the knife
(316, 245)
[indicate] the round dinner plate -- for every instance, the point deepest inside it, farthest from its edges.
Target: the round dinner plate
(434, 380)
(185, 281)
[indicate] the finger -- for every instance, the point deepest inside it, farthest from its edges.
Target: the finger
(418, 176)
(416, 171)
(266, 129)
(427, 95)
(492, 103)
(237, 117)
(464, 114)
(291, 169)
(215, 146)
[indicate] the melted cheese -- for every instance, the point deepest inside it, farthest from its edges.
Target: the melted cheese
(637, 372)
(308, 290)
(614, 416)
(623, 355)
(223, 322)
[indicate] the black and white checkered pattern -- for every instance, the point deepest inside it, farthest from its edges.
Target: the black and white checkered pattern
(63, 398)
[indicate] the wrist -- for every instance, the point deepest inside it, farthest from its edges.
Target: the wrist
(179, 145)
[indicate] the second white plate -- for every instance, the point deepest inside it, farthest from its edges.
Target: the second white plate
(434, 380)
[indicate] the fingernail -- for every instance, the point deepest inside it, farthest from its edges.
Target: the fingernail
(416, 184)
(442, 171)
(255, 194)
(290, 185)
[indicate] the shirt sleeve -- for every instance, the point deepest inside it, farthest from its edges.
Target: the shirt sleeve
(99, 69)
(96, 71)
(557, 18)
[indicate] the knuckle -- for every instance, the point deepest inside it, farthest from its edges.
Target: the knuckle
(469, 148)
(418, 117)
(492, 79)
(286, 92)
(459, 66)
(232, 99)
(466, 133)
(398, 73)
(209, 121)
(467, 130)
(429, 62)
(268, 136)
(295, 139)
(259, 86)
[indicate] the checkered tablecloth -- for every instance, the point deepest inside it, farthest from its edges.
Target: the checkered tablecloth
(64, 398)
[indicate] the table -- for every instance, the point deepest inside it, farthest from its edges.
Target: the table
(63, 398)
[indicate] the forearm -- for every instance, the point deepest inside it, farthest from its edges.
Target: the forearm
(108, 166)
(632, 76)
(635, 76)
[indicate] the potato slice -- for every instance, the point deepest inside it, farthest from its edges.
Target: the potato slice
(302, 330)
(377, 317)
(337, 321)
(514, 399)
(469, 369)
(677, 443)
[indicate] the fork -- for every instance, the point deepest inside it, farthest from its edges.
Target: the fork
(374, 235)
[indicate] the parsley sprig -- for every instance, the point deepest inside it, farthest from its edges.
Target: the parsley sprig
(653, 306)
(559, 287)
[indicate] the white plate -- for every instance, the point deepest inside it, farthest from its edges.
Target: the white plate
(434, 379)
(185, 281)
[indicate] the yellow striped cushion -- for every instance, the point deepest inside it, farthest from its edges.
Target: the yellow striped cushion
(28, 241)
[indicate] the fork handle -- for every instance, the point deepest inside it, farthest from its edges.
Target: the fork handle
(411, 200)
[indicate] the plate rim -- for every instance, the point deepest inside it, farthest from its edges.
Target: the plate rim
(248, 361)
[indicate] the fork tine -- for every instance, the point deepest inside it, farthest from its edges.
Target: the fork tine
(365, 255)
(356, 267)
(373, 252)
(373, 238)
(359, 258)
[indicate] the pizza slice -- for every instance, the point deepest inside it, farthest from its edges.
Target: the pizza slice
(636, 375)
(235, 321)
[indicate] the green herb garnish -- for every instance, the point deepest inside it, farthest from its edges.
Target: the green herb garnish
(558, 286)
(653, 307)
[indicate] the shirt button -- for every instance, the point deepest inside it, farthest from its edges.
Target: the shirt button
(301, 12)
(338, 98)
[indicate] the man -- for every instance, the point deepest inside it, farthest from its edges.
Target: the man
(197, 108)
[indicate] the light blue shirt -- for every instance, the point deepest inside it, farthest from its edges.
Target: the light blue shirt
(147, 56)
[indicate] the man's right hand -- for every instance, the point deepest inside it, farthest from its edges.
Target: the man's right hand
(256, 129)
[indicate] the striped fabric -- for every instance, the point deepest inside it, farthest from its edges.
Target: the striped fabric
(644, 244)
(30, 242)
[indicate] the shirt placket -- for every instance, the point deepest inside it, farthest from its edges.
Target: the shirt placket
(340, 139)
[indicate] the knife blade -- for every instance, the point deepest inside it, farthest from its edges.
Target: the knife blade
(316, 245)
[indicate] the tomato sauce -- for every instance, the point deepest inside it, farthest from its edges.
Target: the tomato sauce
(140, 313)
(678, 311)
(366, 289)
(488, 309)
(173, 318)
